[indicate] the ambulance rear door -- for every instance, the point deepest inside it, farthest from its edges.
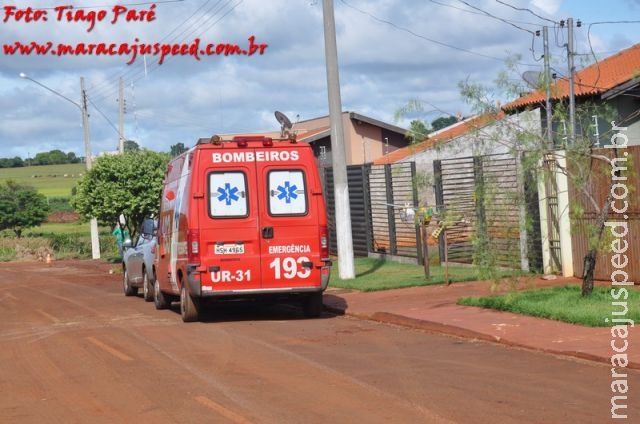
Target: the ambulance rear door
(229, 231)
(289, 227)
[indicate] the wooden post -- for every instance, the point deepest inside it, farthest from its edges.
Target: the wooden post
(425, 248)
(446, 256)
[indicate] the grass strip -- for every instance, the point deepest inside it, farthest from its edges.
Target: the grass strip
(566, 304)
(379, 274)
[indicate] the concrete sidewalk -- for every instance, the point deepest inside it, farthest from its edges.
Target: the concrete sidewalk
(434, 309)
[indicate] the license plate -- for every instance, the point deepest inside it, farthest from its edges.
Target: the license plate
(229, 249)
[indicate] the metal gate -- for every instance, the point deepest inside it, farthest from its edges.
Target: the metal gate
(393, 192)
(359, 205)
(378, 196)
(482, 203)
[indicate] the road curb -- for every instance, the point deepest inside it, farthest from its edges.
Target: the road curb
(455, 331)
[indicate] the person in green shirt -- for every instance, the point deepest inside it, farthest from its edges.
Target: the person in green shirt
(120, 236)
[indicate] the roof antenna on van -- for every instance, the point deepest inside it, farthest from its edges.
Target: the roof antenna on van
(285, 123)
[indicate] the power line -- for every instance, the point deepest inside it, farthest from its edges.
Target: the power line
(479, 13)
(103, 6)
(422, 36)
(497, 17)
(595, 58)
(133, 70)
(103, 115)
(188, 29)
(526, 9)
(204, 25)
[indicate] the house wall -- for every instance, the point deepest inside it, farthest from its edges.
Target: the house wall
(365, 142)
(313, 123)
(628, 106)
(492, 139)
(596, 125)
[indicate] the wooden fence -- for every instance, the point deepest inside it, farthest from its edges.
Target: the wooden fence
(628, 190)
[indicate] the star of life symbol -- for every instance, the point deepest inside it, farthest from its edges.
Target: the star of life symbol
(287, 192)
(228, 194)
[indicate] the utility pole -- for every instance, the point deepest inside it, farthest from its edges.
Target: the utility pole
(95, 240)
(547, 84)
(121, 116)
(340, 182)
(572, 99)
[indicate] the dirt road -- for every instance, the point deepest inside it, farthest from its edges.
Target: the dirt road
(74, 349)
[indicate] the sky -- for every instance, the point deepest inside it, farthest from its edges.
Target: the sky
(390, 53)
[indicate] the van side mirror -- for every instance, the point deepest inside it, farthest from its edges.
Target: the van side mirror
(149, 226)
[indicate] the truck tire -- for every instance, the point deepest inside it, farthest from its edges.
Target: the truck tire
(147, 287)
(126, 285)
(159, 299)
(312, 305)
(188, 307)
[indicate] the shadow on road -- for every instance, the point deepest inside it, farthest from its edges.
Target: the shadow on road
(248, 310)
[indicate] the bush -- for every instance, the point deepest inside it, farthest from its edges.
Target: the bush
(59, 204)
(24, 248)
(70, 245)
(59, 245)
(7, 254)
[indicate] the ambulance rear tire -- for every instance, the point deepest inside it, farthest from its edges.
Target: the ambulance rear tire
(312, 305)
(159, 299)
(188, 306)
(128, 289)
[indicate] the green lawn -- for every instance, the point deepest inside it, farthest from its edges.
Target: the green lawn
(564, 304)
(50, 180)
(375, 274)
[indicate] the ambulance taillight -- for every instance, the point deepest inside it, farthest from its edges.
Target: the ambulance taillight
(324, 242)
(193, 246)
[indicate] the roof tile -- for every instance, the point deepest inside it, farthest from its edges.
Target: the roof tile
(595, 79)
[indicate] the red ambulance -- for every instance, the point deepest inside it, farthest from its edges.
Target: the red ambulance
(241, 218)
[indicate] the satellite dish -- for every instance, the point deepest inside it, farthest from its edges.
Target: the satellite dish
(285, 123)
(532, 78)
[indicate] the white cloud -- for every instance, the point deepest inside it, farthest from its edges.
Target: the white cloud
(549, 7)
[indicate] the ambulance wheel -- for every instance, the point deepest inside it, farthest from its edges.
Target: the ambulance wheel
(188, 306)
(126, 285)
(147, 287)
(312, 305)
(159, 299)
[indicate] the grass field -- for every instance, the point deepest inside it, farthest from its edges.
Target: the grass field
(76, 228)
(50, 180)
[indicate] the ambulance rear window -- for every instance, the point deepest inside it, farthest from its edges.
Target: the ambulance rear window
(228, 195)
(287, 193)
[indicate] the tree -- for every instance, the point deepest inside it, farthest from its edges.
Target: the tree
(53, 157)
(21, 207)
(177, 149)
(127, 184)
(417, 132)
(443, 122)
(539, 162)
(72, 158)
(15, 162)
(131, 146)
(544, 160)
